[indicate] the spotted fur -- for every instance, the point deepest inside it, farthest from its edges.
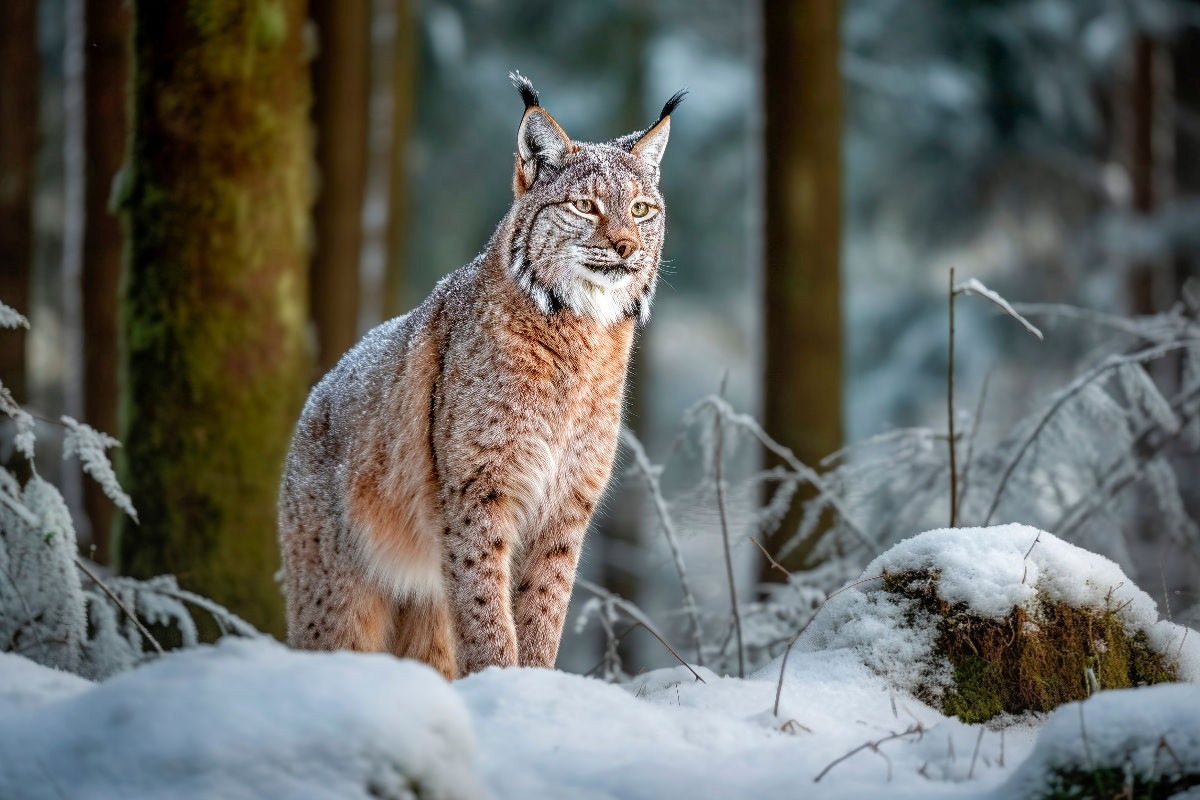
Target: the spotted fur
(442, 475)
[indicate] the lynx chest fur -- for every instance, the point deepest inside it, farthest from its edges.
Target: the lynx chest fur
(442, 475)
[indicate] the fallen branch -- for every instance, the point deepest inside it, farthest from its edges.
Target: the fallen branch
(917, 729)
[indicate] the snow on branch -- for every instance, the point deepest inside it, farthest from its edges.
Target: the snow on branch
(90, 445)
(973, 286)
(11, 318)
(24, 438)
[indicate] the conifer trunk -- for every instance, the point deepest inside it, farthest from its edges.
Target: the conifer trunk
(340, 75)
(216, 205)
(404, 103)
(105, 79)
(802, 380)
(18, 152)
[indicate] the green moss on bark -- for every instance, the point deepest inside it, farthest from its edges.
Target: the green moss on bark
(215, 204)
(1034, 659)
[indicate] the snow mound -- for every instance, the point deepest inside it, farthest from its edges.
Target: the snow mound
(242, 719)
(986, 573)
(1130, 740)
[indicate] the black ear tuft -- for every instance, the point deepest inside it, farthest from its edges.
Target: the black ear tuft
(525, 87)
(670, 105)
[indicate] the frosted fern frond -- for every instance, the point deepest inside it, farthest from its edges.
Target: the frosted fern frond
(91, 446)
(11, 318)
(24, 438)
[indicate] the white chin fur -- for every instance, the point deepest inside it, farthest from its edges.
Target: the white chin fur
(594, 294)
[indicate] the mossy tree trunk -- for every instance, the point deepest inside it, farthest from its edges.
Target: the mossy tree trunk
(802, 379)
(105, 80)
(341, 80)
(216, 205)
(18, 151)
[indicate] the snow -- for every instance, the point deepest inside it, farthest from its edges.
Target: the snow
(243, 719)
(991, 571)
(249, 718)
(1125, 729)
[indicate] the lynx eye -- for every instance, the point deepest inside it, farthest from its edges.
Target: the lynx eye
(584, 206)
(639, 209)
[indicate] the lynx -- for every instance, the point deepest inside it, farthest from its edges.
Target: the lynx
(442, 475)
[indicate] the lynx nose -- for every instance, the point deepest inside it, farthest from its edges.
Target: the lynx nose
(625, 247)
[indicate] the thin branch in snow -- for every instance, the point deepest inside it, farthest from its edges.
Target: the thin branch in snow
(718, 457)
(917, 729)
(132, 617)
(90, 445)
(650, 474)
(975, 754)
(637, 615)
(787, 650)
(952, 443)
(964, 482)
(973, 286)
(774, 564)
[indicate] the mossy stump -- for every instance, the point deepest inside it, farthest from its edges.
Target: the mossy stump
(1035, 659)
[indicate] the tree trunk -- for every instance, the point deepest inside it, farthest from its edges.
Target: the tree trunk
(340, 75)
(18, 152)
(1149, 153)
(105, 80)
(404, 103)
(216, 205)
(802, 381)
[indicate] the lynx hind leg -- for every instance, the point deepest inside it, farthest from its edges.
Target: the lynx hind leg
(424, 630)
(329, 605)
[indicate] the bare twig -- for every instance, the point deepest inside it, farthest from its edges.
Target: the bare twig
(718, 457)
(975, 755)
(637, 615)
(1068, 392)
(132, 617)
(917, 729)
(952, 444)
(787, 650)
(668, 529)
(964, 482)
(774, 564)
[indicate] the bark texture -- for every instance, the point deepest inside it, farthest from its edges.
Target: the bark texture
(216, 203)
(340, 75)
(105, 81)
(802, 381)
(18, 151)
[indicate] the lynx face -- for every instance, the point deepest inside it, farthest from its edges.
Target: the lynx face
(588, 218)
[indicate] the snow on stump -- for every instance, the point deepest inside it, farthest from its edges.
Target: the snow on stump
(1116, 745)
(1001, 621)
(241, 720)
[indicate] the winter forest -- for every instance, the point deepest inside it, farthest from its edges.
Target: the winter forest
(906, 484)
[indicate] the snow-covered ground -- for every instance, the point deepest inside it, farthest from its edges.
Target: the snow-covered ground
(248, 718)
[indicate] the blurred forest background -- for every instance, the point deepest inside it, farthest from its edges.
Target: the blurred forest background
(204, 204)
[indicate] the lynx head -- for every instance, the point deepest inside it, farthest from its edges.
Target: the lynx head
(588, 220)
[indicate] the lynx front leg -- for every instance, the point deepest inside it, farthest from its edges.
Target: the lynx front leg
(478, 536)
(544, 587)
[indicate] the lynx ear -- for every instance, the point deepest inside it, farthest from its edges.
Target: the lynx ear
(653, 143)
(541, 142)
